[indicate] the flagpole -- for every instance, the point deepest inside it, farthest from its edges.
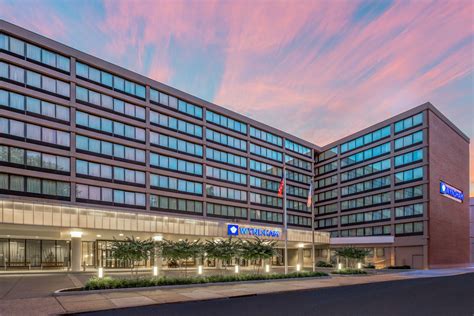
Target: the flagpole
(285, 220)
(313, 254)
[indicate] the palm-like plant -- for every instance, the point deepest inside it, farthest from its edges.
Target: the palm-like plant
(224, 250)
(132, 250)
(181, 250)
(258, 250)
(351, 254)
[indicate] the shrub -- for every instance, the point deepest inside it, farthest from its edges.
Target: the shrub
(323, 264)
(369, 266)
(349, 271)
(399, 267)
(111, 283)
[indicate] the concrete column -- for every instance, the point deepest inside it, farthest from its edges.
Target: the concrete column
(392, 256)
(76, 253)
(300, 257)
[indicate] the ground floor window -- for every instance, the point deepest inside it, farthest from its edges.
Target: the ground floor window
(26, 253)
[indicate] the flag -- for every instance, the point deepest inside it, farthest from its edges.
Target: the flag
(310, 195)
(281, 187)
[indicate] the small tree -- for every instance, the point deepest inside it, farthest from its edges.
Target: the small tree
(181, 250)
(258, 250)
(351, 254)
(132, 250)
(224, 250)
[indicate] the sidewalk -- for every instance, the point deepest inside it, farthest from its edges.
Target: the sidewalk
(48, 304)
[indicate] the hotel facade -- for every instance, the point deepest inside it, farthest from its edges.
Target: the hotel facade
(91, 152)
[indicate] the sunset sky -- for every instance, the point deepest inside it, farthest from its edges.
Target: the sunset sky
(316, 69)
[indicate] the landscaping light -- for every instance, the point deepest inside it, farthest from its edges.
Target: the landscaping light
(339, 266)
(155, 271)
(359, 265)
(199, 269)
(76, 234)
(236, 269)
(158, 238)
(100, 273)
(298, 267)
(267, 268)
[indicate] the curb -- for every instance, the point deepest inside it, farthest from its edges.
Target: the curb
(179, 286)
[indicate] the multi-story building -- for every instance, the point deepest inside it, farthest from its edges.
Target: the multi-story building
(384, 188)
(90, 152)
(471, 210)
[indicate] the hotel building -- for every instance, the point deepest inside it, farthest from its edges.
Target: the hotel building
(90, 152)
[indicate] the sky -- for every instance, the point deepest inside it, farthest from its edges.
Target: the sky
(320, 70)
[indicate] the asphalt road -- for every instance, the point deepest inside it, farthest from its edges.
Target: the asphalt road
(451, 296)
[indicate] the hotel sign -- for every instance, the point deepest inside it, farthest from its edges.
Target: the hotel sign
(235, 230)
(451, 192)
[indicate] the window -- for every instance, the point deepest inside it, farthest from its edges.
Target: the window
(409, 229)
(326, 195)
(295, 220)
(169, 204)
(366, 201)
(226, 175)
(409, 122)
(105, 148)
(266, 216)
(224, 157)
(326, 223)
(326, 209)
(225, 193)
(265, 168)
(265, 136)
(298, 206)
(264, 184)
(33, 79)
(171, 102)
(175, 144)
(111, 127)
(265, 152)
(370, 185)
(300, 149)
(14, 184)
(175, 184)
(34, 53)
(297, 177)
(34, 132)
(119, 84)
(171, 163)
(329, 167)
(366, 217)
(110, 104)
(370, 169)
(267, 200)
(409, 175)
(298, 163)
(226, 122)
(366, 155)
(410, 193)
(412, 210)
(227, 211)
(226, 140)
(409, 140)
(326, 182)
(328, 154)
(175, 124)
(90, 194)
(409, 158)
(366, 139)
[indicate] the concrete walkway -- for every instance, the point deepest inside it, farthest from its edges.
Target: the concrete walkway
(32, 294)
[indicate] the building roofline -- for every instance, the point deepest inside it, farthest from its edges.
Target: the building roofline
(412, 111)
(134, 76)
